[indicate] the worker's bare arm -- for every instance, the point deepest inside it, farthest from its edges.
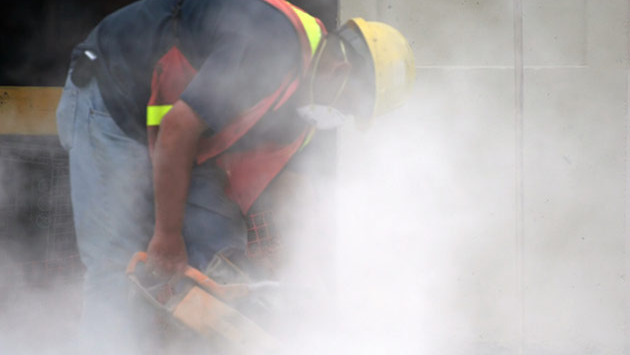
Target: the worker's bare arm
(173, 159)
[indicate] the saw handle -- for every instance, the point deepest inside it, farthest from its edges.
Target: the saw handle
(225, 292)
(135, 259)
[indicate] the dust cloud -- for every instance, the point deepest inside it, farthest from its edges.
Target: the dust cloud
(423, 260)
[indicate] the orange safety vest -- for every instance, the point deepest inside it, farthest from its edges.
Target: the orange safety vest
(248, 172)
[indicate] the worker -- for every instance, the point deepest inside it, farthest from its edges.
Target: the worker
(178, 114)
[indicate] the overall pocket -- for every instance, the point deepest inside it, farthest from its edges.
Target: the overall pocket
(101, 124)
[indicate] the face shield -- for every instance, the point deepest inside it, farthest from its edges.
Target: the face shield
(343, 80)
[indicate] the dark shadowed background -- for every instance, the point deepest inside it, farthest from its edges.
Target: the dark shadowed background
(37, 35)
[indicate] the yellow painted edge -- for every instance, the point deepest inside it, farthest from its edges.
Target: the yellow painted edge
(28, 109)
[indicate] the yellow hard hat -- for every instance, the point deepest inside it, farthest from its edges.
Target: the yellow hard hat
(394, 65)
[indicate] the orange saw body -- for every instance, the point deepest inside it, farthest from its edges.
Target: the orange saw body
(202, 306)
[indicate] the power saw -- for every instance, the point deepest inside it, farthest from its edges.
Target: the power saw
(205, 307)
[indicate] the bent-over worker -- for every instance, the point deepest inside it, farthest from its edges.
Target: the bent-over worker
(177, 115)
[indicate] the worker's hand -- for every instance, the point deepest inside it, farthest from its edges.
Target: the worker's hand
(166, 255)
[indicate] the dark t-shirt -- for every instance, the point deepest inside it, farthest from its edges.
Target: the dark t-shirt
(242, 50)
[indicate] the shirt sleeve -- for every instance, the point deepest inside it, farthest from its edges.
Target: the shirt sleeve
(240, 70)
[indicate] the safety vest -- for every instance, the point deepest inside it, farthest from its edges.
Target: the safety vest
(248, 172)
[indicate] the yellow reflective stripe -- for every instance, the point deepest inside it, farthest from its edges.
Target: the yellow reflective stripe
(313, 31)
(309, 137)
(156, 113)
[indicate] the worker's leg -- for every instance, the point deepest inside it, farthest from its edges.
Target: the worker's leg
(212, 222)
(112, 202)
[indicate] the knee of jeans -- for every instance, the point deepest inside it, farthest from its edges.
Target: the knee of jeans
(209, 231)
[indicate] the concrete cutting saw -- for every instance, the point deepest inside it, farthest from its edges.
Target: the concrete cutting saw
(204, 306)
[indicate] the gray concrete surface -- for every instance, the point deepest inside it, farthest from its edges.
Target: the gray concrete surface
(435, 202)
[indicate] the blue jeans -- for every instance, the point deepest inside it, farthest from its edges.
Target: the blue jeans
(112, 199)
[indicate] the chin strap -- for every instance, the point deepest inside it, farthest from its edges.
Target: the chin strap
(316, 62)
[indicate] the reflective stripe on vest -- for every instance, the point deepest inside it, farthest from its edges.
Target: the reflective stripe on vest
(156, 113)
(314, 32)
(312, 28)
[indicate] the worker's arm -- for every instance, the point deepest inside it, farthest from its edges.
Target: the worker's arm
(173, 159)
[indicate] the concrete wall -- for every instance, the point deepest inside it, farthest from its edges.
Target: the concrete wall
(474, 250)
